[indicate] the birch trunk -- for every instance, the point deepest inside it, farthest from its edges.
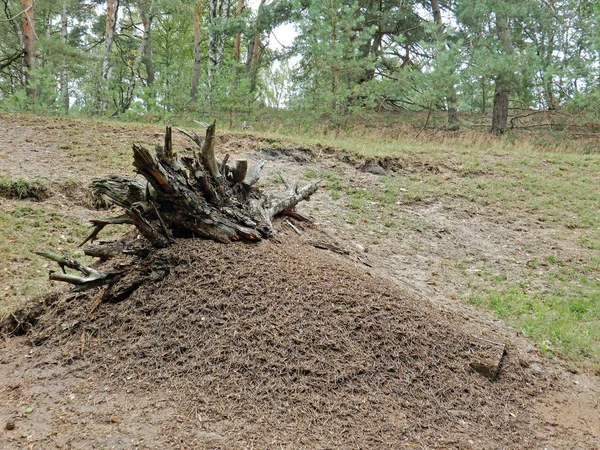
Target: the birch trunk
(138, 59)
(112, 10)
(453, 120)
(218, 12)
(147, 57)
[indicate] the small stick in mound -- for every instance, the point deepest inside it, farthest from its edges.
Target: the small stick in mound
(91, 278)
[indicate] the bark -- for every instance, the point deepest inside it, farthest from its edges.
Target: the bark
(28, 43)
(453, 119)
(212, 42)
(197, 52)
(218, 15)
(500, 111)
(253, 53)
(64, 75)
(551, 101)
(144, 42)
(224, 17)
(238, 37)
(112, 10)
(88, 279)
(483, 96)
(196, 195)
(147, 58)
(254, 65)
(503, 80)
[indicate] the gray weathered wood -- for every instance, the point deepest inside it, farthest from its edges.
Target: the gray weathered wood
(196, 196)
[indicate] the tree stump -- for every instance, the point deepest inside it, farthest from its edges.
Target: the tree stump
(187, 196)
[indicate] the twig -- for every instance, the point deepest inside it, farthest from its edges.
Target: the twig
(91, 278)
(96, 302)
(17, 15)
(293, 227)
(283, 179)
(224, 163)
(99, 224)
(193, 136)
(424, 126)
(161, 221)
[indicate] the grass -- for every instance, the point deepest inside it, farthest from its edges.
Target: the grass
(561, 323)
(21, 188)
(30, 227)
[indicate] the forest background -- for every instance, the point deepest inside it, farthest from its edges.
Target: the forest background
(152, 60)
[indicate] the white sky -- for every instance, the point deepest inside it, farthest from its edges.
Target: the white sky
(282, 36)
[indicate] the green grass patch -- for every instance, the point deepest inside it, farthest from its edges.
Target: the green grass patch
(21, 189)
(562, 325)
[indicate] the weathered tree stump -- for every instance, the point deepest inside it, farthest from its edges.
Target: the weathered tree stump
(194, 195)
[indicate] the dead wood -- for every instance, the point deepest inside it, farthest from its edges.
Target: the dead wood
(99, 225)
(189, 195)
(489, 366)
(330, 247)
(91, 277)
(105, 250)
(196, 195)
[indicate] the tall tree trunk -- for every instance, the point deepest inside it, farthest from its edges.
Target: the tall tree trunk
(453, 119)
(28, 44)
(483, 96)
(112, 10)
(550, 98)
(137, 61)
(212, 42)
(147, 58)
(218, 14)
(225, 7)
(197, 53)
(503, 80)
(253, 53)
(254, 64)
(64, 75)
(238, 36)
(500, 112)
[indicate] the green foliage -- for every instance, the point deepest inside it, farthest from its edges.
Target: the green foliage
(349, 58)
(562, 325)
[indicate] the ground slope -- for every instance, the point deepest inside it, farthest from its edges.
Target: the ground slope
(280, 344)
